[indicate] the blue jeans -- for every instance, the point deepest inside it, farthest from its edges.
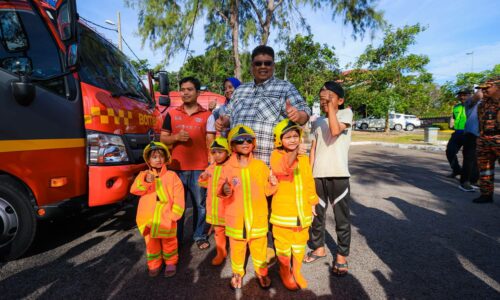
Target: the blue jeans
(198, 196)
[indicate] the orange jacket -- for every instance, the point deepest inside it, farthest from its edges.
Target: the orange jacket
(215, 206)
(292, 203)
(246, 208)
(161, 203)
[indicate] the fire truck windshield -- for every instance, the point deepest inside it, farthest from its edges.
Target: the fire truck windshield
(104, 66)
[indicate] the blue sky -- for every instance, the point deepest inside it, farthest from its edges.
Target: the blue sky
(454, 29)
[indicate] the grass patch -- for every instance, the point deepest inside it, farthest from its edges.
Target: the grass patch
(397, 137)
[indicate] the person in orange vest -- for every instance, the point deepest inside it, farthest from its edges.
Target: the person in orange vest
(293, 204)
(244, 184)
(215, 207)
(160, 206)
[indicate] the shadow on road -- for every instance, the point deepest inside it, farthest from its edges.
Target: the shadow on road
(432, 247)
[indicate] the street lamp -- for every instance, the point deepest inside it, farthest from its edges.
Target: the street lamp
(119, 29)
(472, 60)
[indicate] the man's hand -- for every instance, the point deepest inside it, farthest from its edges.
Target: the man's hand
(292, 112)
(314, 210)
(212, 105)
(182, 136)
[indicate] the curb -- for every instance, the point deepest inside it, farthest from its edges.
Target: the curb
(432, 148)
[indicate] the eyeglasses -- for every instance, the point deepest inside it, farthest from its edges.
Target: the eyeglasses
(266, 63)
(240, 141)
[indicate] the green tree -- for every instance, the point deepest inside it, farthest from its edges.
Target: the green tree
(142, 66)
(168, 24)
(389, 78)
(307, 65)
(213, 67)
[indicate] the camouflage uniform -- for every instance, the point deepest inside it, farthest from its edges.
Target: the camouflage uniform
(488, 143)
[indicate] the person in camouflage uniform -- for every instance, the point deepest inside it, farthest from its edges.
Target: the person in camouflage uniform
(488, 143)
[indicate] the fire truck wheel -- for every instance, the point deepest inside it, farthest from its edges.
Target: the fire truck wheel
(17, 220)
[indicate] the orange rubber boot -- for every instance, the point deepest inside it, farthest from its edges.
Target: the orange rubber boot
(297, 264)
(286, 274)
(220, 246)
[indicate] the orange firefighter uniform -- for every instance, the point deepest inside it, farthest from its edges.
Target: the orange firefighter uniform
(160, 206)
(246, 211)
(215, 206)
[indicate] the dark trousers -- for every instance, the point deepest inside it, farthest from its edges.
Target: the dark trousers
(470, 170)
(454, 145)
(335, 190)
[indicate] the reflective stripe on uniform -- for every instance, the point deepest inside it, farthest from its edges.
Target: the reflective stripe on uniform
(283, 252)
(153, 256)
(247, 200)
(259, 263)
(299, 195)
(215, 199)
(178, 210)
(170, 254)
(234, 233)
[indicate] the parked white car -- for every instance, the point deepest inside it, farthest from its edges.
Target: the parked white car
(397, 121)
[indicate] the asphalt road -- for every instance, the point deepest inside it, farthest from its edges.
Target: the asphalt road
(414, 236)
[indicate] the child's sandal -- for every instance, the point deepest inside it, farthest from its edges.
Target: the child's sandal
(235, 283)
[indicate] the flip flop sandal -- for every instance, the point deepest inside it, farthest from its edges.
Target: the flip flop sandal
(264, 281)
(235, 283)
(336, 269)
(170, 270)
(200, 244)
(313, 256)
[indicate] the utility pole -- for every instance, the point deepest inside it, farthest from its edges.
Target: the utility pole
(118, 25)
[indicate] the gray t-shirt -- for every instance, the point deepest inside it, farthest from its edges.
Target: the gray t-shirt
(331, 155)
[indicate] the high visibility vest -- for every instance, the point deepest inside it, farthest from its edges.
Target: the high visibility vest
(161, 203)
(296, 194)
(459, 116)
(214, 205)
(246, 210)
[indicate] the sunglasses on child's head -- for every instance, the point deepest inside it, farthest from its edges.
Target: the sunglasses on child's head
(266, 63)
(240, 141)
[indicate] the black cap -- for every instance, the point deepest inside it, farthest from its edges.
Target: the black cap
(335, 87)
(464, 91)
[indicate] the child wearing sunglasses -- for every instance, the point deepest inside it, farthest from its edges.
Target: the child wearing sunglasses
(293, 204)
(244, 184)
(219, 149)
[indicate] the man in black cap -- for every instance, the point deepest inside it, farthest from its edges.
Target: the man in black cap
(457, 122)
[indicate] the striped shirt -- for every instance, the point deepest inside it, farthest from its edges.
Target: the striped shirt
(261, 107)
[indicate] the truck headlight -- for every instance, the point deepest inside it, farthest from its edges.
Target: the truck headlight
(105, 148)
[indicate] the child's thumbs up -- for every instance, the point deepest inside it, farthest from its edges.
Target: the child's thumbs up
(226, 188)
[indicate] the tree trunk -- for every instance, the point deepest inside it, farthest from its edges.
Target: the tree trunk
(387, 122)
(234, 23)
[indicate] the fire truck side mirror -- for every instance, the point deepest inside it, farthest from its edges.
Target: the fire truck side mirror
(67, 21)
(164, 84)
(164, 101)
(23, 90)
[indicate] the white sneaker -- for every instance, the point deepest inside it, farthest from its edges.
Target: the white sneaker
(466, 187)
(474, 187)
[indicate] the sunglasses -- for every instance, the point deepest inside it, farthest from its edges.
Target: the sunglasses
(240, 141)
(266, 63)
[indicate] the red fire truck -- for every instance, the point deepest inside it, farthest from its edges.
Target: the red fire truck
(74, 118)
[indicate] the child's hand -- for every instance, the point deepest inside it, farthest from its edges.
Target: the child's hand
(314, 210)
(302, 149)
(204, 175)
(226, 188)
(272, 179)
(150, 177)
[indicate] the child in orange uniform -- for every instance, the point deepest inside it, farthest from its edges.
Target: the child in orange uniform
(160, 206)
(244, 184)
(293, 203)
(215, 208)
